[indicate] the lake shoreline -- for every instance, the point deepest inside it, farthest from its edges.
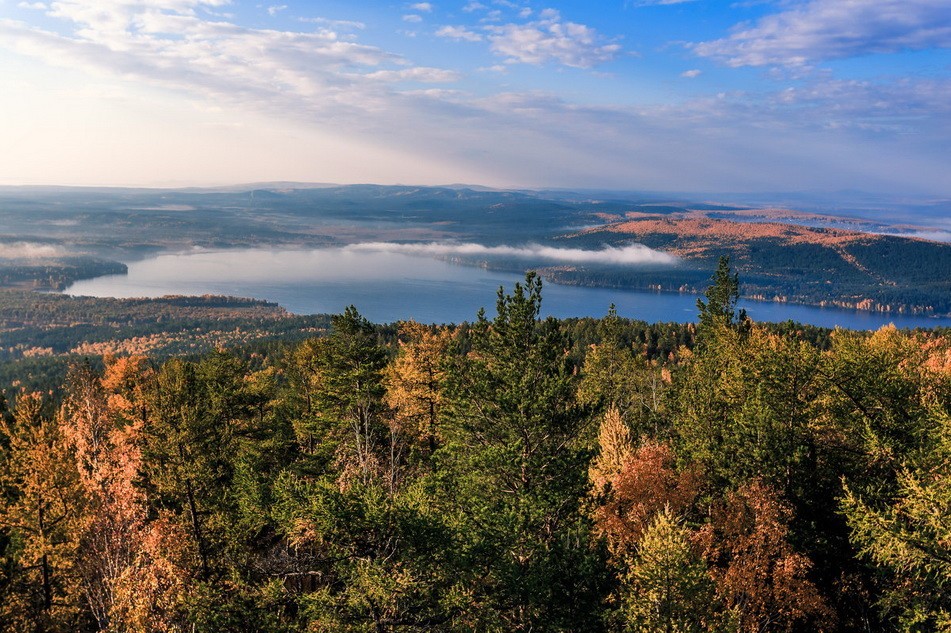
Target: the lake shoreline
(389, 287)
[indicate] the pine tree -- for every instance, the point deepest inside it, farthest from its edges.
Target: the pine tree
(721, 298)
(346, 421)
(616, 375)
(515, 472)
(666, 589)
(908, 535)
(189, 450)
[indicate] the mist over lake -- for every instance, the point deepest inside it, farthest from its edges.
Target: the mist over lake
(389, 284)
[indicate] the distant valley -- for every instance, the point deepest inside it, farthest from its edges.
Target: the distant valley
(52, 237)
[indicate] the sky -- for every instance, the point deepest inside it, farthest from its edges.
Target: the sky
(654, 95)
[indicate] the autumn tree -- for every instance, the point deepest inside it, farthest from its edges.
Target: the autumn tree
(39, 511)
(127, 562)
(107, 459)
(615, 449)
(415, 381)
(646, 482)
(759, 576)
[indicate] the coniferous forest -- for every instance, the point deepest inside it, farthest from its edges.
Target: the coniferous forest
(511, 474)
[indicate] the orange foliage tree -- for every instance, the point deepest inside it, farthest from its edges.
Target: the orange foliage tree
(758, 574)
(646, 484)
(125, 561)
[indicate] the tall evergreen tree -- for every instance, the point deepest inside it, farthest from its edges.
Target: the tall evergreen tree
(721, 298)
(189, 450)
(344, 426)
(515, 470)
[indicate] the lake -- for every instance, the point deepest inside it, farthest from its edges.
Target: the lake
(389, 286)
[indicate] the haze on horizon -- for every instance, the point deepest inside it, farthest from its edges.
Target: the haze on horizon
(676, 95)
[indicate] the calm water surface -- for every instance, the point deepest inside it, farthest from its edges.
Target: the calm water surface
(386, 286)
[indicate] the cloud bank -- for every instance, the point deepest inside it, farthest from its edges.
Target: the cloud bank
(634, 254)
(835, 29)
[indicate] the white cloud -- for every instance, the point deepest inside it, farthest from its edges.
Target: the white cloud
(340, 25)
(412, 17)
(209, 58)
(458, 33)
(425, 7)
(625, 255)
(419, 73)
(902, 107)
(474, 6)
(649, 3)
(690, 74)
(833, 29)
(275, 9)
(551, 39)
(935, 235)
(37, 6)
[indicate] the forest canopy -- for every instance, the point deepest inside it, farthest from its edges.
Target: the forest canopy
(512, 474)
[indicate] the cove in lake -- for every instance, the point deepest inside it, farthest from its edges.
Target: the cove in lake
(389, 286)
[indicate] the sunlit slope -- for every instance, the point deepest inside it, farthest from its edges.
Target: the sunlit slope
(808, 264)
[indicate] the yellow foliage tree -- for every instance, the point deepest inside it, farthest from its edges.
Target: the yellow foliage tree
(616, 449)
(414, 381)
(39, 514)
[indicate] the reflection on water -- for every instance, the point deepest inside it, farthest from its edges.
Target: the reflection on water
(388, 286)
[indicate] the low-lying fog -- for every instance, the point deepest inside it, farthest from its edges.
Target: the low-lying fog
(30, 250)
(633, 254)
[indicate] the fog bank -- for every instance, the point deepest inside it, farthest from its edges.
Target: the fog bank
(28, 250)
(626, 255)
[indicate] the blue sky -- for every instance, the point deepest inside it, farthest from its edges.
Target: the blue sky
(695, 95)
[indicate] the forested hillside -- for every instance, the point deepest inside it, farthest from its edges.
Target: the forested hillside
(779, 260)
(514, 474)
(41, 334)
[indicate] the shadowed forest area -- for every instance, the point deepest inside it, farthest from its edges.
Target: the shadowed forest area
(512, 474)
